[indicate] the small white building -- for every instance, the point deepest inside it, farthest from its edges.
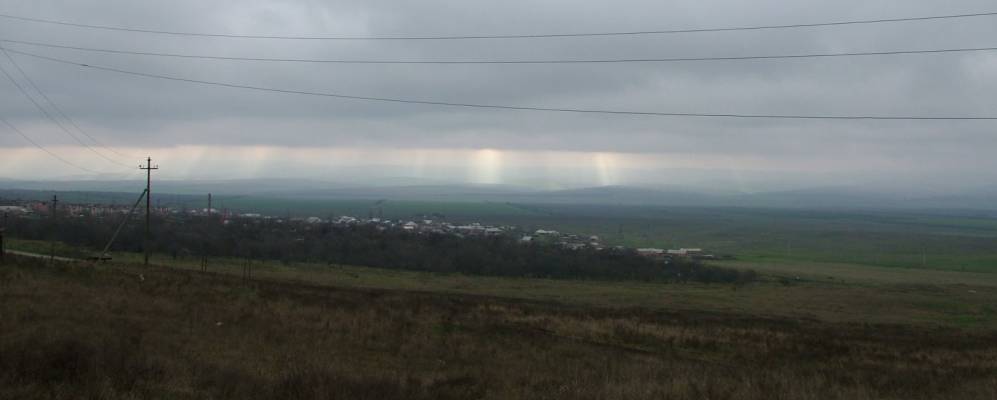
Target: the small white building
(573, 246)
(472, 229)
(683, 252)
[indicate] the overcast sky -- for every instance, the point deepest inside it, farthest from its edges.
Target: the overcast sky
(210, 132)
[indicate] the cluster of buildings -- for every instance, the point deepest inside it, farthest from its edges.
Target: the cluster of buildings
(437, 226)
(420, 225)
(15, 210)
(40, 208)
(665, 254)
(568, 241)
(545, 236)
(424, 226)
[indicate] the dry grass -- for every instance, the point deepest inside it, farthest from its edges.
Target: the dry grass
(127, 332)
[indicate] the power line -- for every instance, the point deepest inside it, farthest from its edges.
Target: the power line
(49, 116)
(509, 36)
(42, 148)
(556, 61)
(497, 106)
(56, 106)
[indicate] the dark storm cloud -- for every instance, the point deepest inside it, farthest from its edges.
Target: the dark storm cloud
(131, 111)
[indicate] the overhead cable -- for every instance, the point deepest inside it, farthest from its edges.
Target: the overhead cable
(52, 118)
(537, 61)
(505, 36)
(42, 148)
(503, 107)
(57, 108)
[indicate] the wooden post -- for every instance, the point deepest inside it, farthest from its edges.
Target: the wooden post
(55, 215)
(3, 250)
(148, 203)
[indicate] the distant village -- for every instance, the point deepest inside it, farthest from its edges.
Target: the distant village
(423, 225)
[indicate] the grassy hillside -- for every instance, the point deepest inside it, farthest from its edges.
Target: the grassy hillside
(123, 331)
(826, 291)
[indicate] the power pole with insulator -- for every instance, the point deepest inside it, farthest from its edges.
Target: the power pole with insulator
(204, 244)
(148, 204)
(2, 231)
(55, 215)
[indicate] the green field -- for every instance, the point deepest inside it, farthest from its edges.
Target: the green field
(826, 291)
(891, 239)
(963, 241)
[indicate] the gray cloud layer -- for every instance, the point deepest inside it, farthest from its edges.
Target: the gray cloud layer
(129, 111)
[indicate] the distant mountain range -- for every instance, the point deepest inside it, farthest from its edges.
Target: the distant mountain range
(850, 197)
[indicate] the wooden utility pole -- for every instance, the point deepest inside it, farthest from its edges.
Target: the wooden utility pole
(204, 244)
(2, 231)
(247, 269)
(55, 215)
(148, 203)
